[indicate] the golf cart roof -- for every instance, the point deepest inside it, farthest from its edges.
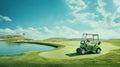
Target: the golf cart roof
(91, 34)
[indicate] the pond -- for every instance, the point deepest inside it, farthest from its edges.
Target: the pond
(18, 48)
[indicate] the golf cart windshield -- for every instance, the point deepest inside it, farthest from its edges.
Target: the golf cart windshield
(92, 38)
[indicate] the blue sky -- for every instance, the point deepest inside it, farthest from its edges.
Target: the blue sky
(42, 19)
(35, 12)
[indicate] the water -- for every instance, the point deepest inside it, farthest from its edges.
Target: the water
(18, 48)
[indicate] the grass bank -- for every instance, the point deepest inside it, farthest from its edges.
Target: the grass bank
(34, 59)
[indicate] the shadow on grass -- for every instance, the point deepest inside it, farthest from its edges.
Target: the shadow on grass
(72, 54)
(76, 54)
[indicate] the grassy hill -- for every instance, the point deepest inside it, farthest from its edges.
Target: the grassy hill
(62, 39)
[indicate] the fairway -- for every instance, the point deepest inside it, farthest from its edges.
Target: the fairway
(69, 51)
(65, 53)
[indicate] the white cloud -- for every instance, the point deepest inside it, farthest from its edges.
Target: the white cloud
(116, 14)
(105, 33)
(116, 2)
(61, 31)
(48, 30)
(58, 31)
(82, 18)
(30, 32)
(65, 31)
(89, 19)
(76, 5)
(101, 9)
(40, 33)
(111, 15)
(105, 27)
(101, 3)
(7, 31)
(5, 18)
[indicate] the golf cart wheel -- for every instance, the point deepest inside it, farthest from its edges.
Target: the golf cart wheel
(98, 50)
(80, 51)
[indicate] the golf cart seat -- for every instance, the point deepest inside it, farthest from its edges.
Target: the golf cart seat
(93, 43)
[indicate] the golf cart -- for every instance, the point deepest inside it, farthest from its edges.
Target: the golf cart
(89, 44)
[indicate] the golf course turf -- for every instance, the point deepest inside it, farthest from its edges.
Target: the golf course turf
(65, 53)
(69, 51)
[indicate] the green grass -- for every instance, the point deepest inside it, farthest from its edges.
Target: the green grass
(32, 59)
